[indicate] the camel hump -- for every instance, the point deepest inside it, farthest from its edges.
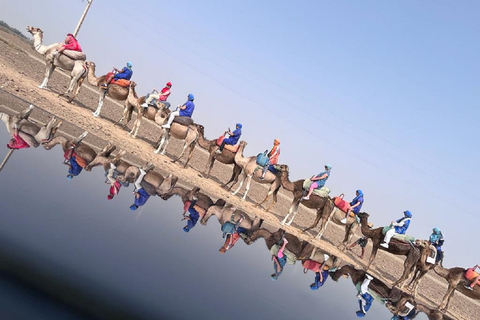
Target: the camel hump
(186, 121)
(75, 55)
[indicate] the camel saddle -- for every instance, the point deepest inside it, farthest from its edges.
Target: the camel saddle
(322, 192)
(232, 148)
(121, 82)
(186, 121)
(341, 204)
(400, 237)
(470, 275)
(75, 55)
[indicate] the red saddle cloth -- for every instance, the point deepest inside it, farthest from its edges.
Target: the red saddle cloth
(340, 203)
(470, 275)
(220, 140)
(311, 265)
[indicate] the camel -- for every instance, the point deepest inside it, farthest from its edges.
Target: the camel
(153, 182)
(456, 281)
(160, 115)
(204, 202)
(226, 212)
(188, 133)
(226, 157)
(29, 131)
(78, 68)
(300, 248)
(81, 150)
(323, 205)
(395, 298)
(114, 91)
(411, 251)
(316, 202)
(249, 166)
(432, 314)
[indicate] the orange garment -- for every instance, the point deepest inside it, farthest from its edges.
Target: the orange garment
(273, 154)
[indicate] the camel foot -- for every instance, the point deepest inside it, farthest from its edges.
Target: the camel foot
(156, 151)
(95, 114)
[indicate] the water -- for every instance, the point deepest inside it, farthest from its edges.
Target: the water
(94, 258)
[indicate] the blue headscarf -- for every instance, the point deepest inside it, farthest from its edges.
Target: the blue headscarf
(360, 195)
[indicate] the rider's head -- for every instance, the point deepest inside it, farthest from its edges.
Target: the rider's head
(69, 176)
(328, 167)
(407, 214)
(191, 97)
(129, 65)
(276, 142)
(133, 207)
(169, 84)
(436, 230)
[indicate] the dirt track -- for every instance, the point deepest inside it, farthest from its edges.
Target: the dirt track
(22, 70)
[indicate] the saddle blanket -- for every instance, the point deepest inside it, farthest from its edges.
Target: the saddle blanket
(75, 55)
(121, 82)
(183, 120)
(322, 192)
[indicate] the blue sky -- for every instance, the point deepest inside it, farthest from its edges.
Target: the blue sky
(386, 92)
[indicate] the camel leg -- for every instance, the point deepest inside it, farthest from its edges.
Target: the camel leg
(240, 186)
(349, 232)
(48, 72)
(165, 134)
(408, 268)
(209, 166)
(45, 132)
(446, 299)
(79, 84)
(181, 154)
(247, 187)
(315, 223)
(236, 172)
(293, 210)
(101, 98)
(190, 154)
(137, 123)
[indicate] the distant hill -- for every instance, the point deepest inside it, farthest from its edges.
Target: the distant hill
(5, 26)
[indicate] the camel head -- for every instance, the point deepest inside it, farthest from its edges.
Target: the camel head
(282, 167)
(363, 214)
(90, 64)
(34, 30)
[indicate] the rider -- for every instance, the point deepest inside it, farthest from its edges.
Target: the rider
(126, 73)
(365, 299)
(115, 185)
(437, 240)
(399, 226)
(70, 43)
(318, 181)
(185, 110)
(355, 205)
(161, 96)
(192, 216)
(320, 269)
(141, 195)
(233, 139)
(279, 261)
(272, 157)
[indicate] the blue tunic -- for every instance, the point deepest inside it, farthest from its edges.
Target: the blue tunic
(233, 139)
(125, 73)
(75, 169)
(140, 201)
(190, 106)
